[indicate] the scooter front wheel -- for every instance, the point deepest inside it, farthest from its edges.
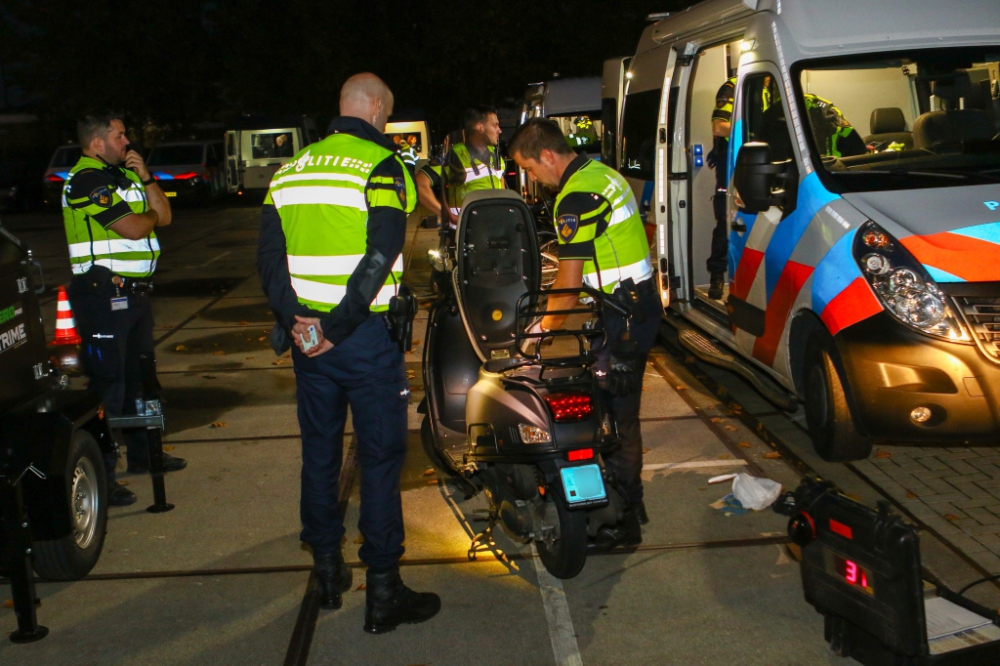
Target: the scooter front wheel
(565, 557)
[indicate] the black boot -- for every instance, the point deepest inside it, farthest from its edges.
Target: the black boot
(626, 534)
(333, 577)
(389, 603)
(640, 512)
(715, 288)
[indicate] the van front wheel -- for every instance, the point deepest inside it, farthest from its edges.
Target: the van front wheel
(828, 415)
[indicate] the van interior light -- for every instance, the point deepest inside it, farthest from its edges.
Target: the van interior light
(748, 45)
(628, 75)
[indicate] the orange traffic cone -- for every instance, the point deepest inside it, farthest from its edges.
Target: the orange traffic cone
(66, 333)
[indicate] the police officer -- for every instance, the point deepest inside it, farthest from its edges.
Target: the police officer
(332, 229)
(110, 214)
(601, 244)
(722, 117)
(474, 164)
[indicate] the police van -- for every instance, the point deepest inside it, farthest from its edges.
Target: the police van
(862, 205)
(256, 147)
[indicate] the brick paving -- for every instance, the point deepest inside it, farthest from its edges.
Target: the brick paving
(954, 491)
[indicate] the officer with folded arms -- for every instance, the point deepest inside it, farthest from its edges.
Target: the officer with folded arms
(332, 231)
(110, 214)
(601, 244)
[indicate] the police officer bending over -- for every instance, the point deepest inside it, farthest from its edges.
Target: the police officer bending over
(109, 214)
(332, 229)
(601, 243)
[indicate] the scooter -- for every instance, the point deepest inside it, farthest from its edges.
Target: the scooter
(529, 430)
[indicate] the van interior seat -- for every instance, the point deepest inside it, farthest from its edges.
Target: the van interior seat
(889, 126)
(954, 124)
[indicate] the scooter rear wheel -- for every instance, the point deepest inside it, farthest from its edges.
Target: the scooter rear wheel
(567, 554)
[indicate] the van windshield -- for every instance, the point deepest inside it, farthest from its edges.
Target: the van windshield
(582, 131)
(891, 121)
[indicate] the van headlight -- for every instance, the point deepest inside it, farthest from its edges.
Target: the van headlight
(903, 285)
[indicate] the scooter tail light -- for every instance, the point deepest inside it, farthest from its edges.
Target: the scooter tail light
(580, 454)
(568, 407)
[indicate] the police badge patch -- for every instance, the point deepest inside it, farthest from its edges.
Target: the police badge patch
(400, 185)
(567, 226)
(101, 196)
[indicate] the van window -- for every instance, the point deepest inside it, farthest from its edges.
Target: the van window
(639, 134)
(414, 140)
(271, 144)
(891, 121)
(764, 116)
(582, 131)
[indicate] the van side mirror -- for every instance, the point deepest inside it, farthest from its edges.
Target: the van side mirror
(761, 184)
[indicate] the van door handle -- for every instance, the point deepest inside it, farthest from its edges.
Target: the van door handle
(663, 135)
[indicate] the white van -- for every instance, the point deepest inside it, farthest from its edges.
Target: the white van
(415, 134)
(863, 205)
(256, 147)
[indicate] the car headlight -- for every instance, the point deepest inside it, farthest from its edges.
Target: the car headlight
(903, 285)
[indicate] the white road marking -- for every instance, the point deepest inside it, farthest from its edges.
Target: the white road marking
(561, 632)
(218, 256)
(693, 464)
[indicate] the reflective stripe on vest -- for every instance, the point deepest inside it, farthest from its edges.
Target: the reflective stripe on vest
(321, 198)
(89, 242)
(478, 174)
(622, 250)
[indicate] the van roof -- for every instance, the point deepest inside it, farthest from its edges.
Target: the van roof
(836, 27)
(564, 96)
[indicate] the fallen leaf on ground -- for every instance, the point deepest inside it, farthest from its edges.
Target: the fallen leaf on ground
(883, 454)
(261, 339)
(772, 455)
(716, 419)
(702, 487)
(432, 482)
(910, 495)
(123, 482)
(730, 427)
(725, 456)
(244, 323)
(9, 603)
(218, 353)
(218, 424)
(682, 388)
(645, 450)
(168, 447)
(416, 342)
(429, 472)
(360, 587)
(278, 362)
(180, 348)
(745, 445)
(644, 388)
(249, 358)
(359, 540)
(950, 516)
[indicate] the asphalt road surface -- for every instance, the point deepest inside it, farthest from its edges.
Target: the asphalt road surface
(224, 579)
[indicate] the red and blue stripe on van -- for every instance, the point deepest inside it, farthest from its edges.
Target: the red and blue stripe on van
(971, 254)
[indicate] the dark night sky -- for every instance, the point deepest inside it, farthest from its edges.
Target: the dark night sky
(186, 61)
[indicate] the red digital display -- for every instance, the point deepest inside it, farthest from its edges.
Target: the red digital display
(853, 573)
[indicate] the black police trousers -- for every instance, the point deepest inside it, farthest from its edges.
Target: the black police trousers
(718, 261)
(647, 315)
(364, 371)
(112, 342)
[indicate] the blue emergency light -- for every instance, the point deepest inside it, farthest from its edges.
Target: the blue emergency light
(698, 151)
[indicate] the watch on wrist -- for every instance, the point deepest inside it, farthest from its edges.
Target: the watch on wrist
(147, 183)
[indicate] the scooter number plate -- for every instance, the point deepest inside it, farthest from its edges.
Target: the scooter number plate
(583, 484)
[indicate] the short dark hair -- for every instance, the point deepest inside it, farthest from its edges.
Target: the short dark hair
(475, 115)
(455, 137)
(95, 125)
(536, 135)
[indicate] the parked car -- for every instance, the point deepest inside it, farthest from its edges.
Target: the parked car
(189, 170)
(64, 159)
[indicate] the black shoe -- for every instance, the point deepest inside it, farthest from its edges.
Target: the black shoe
(389, 603)
(640, 512)
(119, 495)
(716, 287)
(334, 578)
(626, 534)
(170, 464)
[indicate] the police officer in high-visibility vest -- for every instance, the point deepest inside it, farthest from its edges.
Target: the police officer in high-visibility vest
(110, 214)
(474, 164)
(602, 243)
(722, 116)
(333, 226)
